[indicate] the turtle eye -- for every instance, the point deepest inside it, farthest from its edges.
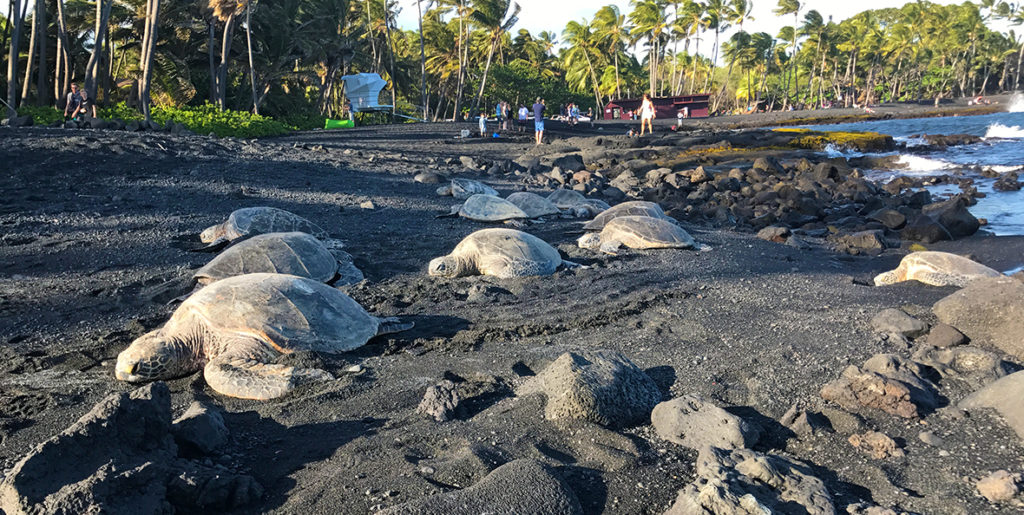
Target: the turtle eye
(135, 368)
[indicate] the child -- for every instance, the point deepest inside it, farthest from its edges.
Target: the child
(483, 124)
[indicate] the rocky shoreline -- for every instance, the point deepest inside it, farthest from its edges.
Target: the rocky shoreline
(822, 392)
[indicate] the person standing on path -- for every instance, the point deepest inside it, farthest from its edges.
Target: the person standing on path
(524, 115)
(647, 115)
(538, 120)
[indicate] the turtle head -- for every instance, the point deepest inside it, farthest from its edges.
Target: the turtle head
(211, 233)
(154, 356)
(446, 266)
(591, 240)
(890, 277)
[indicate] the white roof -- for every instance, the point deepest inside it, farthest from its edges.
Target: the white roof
(363, 90)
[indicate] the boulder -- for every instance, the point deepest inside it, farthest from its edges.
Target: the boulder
(926, 230)
(469, 162)
(945, 335)
(863, 240)
(1004, 396)
(975, 365)
(700, 175)
(954, 216)
(989, 311)
(889, 217)
(805, 423)
(427, 178)
(876, 445)
(20, 121)
(1000, 486)
(439, 401)
(858, 388)
(895, 321)
(743, 482)
(120, 458)
(520, 486)
(774, 233)
(695, 422)
(603, 387)
(569, 162)
(200, 427)
(1007, 182)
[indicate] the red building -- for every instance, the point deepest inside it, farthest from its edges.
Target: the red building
(692, 106)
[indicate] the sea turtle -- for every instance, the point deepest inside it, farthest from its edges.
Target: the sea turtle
(936, 269)
(533, 205)
(294, 253)
(631, 208)
(566, 199)
(235, 328)
(487, 208)
(465, 188)
(637, 232)
(504, 253)
(589, 208)
(250, 221)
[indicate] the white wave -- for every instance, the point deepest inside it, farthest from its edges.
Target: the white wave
(1001, 169)
(918, 165)
(1016, 103)
(1000, 131)
(833, 150)
(911, 142)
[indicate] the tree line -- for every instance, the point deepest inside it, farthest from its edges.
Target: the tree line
(286, 57)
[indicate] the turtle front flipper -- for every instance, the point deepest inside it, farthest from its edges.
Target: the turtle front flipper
(392, 325)
(248, 378)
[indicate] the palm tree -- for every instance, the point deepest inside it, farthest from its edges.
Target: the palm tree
(12, 57)
(146, 55)
(790, 7)
(715, 12)
(582, 42)
(650, 22)
(612, 33)
(227, 12)
(496, 17)
(690, 21)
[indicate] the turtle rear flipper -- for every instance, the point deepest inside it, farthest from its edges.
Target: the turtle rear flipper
(393, 325)
(248, 378)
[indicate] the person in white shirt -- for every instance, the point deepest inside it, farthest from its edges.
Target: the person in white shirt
(646, 115)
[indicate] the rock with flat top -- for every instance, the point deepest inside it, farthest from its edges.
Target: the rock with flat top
(895, 321)
(695, 422)
(989, 311)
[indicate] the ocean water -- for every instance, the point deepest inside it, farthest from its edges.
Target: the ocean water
(1002, 151)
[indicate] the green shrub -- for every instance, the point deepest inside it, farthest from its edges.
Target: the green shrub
(205, 119)
(42, 115)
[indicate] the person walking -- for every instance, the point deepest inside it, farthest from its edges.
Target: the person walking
(646, 115)
(538, 120)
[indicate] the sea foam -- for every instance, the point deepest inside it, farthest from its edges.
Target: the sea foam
(1000, 131)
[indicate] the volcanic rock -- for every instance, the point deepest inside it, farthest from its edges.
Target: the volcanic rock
(989, 311)
(695, 422)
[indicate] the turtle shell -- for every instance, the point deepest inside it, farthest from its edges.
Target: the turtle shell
(290, 313)
(508, 253)
(465, 188)
(632, 208)
(487, 208)
(250, 221)
(566, 199)
(294, 253)
(533, 204)
(644, 232)
(958, 269)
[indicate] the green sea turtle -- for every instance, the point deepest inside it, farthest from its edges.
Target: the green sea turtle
(503, 253)
(631, 208)
(250, 221)
(936, 269)
(294, 253)
(465, 188)
(487, 208)
(534, 205)
(637, 232)
(566, 199)
(235, 328)
(589, 208)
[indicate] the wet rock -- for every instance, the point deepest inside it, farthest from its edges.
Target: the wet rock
(1004, 396)
(774, 233)
(878, 446)
(895, 321)
(695, 422)
(954, 216)
(805, 423)
(989, 311)
(521, 486)
(945, 335)
(201, 427)
(747, 482)
(946, 140)
(603, 387)
(1000, 486)
(1007, 182)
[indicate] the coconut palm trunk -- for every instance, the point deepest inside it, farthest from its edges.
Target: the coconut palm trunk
(12, 58)
(248, 41)
(222, 70)
(30, 64)
(41, 75)
(64, 67)
(146, 55)
(102, 17)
